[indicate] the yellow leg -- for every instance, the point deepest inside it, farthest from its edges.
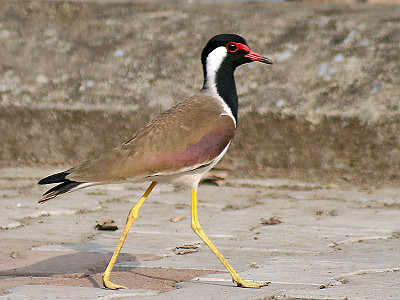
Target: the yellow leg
(197, 229)
(133, 214)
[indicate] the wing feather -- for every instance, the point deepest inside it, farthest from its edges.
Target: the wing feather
(191, 134)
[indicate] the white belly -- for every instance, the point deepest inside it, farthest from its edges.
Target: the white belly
(189, 178)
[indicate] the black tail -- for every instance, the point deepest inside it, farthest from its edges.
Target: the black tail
(59, 177)
(65, 185)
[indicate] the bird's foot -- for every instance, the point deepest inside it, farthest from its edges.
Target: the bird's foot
(250, 284)
(108, 284)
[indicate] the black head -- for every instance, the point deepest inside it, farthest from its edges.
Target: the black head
(234, 49)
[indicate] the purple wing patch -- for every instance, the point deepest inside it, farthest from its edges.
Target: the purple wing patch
(201, 153)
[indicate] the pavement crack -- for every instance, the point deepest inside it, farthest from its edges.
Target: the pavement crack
(344, 278)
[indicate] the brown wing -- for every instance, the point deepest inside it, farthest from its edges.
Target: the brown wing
(191, 134)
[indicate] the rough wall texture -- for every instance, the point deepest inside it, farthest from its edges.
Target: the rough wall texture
(78, 78)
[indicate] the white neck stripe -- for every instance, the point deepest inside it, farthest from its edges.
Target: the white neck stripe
(213, 63)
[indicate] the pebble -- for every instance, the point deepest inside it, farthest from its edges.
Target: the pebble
(119, 53)
(42, 79)
(338, 58)
(281, 103)
(325, 71)
(90, 83)
(323, 68)
(350, 37)
(376, 87)
(4, 34)
(87, 84)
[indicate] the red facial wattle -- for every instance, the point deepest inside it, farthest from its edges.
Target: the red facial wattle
(253, 56)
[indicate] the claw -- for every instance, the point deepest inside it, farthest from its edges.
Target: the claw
(109, 285)
(249, 284)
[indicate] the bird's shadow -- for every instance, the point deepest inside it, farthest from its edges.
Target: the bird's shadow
(86, 268)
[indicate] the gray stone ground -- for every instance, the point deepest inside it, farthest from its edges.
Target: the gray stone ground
(333, 242)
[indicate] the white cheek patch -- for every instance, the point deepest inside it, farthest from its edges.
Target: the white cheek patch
(214, 61)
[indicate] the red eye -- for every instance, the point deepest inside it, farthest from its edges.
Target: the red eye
(232, 47)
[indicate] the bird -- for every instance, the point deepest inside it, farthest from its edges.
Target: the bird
(177, 147)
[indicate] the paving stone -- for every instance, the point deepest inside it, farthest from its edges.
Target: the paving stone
(333, 242)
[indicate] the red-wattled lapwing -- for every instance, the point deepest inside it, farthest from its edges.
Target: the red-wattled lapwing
(177, 147)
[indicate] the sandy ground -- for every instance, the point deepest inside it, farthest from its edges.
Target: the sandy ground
(332, 242)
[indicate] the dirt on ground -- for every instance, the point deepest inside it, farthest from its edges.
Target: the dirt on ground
(78, 78)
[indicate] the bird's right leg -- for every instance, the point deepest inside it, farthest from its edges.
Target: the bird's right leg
(197, 229)
(133, 214)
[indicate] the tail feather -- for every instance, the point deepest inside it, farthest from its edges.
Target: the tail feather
(65, 186)
(62, 188)
(59, 177)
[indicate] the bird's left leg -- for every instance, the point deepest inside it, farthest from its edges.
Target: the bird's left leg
(197, 229)
(133, 214)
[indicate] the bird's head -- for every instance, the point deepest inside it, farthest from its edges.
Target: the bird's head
(231, 50)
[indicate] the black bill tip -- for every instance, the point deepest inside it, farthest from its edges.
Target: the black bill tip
(266, 60)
